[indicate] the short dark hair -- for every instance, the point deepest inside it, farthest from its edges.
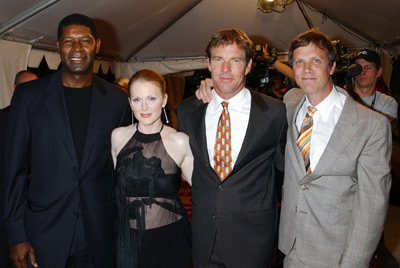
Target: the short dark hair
(230, 36)
(317, 38)
(77, 19)
(18, 76)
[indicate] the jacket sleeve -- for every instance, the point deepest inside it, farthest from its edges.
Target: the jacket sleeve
(16, 173)
(372, 197)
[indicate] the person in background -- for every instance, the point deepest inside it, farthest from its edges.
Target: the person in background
(60, 130)
(275, 85)
(237, 141)
(366, 85)
(337, 171)
(122, 83)
(154, 229)
(24, 76)
(20, 77)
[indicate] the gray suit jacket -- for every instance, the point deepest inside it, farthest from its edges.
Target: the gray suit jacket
(335, 215)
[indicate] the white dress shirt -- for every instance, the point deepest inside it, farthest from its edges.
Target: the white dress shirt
(239, 113)
(324, 122)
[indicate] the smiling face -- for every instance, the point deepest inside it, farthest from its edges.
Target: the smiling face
(228, 69)
(146, 100)
(312, 72)
(78, 49)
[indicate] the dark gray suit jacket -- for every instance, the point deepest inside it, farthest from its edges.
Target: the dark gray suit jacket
(44, 212)
(241, 211)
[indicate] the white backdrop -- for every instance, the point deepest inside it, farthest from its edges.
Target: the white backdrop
(13, 58)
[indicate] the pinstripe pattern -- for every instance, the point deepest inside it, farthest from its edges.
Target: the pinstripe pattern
(304, 139)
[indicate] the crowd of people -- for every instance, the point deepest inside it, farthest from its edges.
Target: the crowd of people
(85, 186)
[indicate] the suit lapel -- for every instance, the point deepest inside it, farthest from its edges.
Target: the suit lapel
(343, 133)
(98, 113)
(199, 130)
(257, 118)
(292, 111)
(55, 104)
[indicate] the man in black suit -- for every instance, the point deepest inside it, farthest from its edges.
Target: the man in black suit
(234, 209)
(61, 126)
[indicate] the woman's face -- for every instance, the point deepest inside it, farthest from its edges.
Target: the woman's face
(146, 101)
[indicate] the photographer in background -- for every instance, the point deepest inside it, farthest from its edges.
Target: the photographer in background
(366, 84)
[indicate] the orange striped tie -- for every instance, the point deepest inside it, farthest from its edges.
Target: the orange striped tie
(222, 147)
(304, 139)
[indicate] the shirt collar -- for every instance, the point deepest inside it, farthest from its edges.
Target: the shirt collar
(237, 102)
(324, 107)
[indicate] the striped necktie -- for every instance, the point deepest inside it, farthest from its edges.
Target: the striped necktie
(304, 139)
(222, 147)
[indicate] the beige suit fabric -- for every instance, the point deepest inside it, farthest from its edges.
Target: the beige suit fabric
(335, 215)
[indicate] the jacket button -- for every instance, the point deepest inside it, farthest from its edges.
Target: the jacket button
(303, 187)
(220, 187)
(214, 217)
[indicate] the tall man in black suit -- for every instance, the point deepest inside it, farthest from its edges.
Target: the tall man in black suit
(61, 126)
(234, 220)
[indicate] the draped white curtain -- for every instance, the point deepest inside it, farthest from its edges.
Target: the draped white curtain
(13, 58)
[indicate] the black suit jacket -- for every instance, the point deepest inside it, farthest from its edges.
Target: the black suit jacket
(241, 211)
(44, 212)
(5, 260)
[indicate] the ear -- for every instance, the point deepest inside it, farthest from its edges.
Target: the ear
(58, 47)
(165, 100)
(333, 68)
(98, 43)
(379, 73)
(209, 64)
(248, 67)
(130, 103)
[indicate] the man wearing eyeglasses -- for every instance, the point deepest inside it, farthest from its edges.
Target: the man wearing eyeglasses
(365, 86)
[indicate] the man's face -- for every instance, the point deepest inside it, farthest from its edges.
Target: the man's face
(228, 69)
(78, 49)
(312, 72)
(368, 75)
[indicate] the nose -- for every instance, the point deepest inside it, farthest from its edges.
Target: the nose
(226, 67)
(76, 46)
(144, 105)
(307, 66)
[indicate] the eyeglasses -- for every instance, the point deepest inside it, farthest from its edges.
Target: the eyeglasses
(368, 67)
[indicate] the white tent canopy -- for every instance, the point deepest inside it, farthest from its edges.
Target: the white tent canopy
(171, 36)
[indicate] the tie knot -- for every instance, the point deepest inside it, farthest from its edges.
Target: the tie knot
(224, 104)
(311, 110)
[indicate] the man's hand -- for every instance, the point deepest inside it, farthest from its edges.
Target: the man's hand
(204, 93)
(19, 252)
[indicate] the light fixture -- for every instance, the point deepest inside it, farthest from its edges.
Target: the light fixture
(268, 6)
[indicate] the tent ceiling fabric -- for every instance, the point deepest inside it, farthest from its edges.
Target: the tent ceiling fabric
(157, 29)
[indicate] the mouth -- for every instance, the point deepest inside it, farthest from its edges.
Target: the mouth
(145, 115)
(76, 59)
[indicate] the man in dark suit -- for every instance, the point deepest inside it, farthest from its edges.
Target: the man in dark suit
(234, 207)
(20, 77)
(61, 126)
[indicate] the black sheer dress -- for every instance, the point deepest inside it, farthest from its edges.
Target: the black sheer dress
(153, 226)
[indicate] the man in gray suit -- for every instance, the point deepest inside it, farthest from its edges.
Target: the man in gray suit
(333, 213)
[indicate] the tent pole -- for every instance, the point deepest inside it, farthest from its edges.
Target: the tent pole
(306, 17)
(25, 15)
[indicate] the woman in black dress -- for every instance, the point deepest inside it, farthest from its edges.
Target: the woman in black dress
(153, 228)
